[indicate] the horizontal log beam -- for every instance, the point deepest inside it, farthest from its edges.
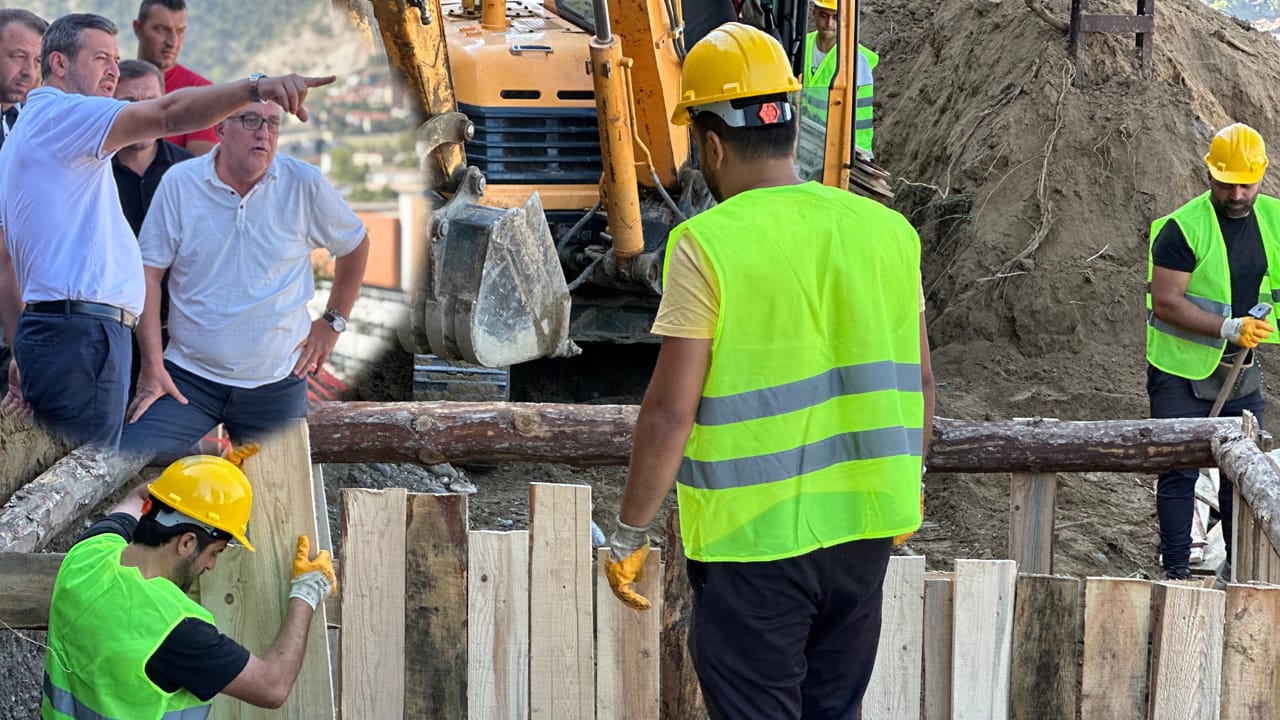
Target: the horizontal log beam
(586, 435)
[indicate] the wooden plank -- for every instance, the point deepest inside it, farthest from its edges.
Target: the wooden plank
(1186, 652)
(561, 657)
(1117, 628)
(249, 591)
(436, 607)
(627, 682)
(25, 452)
(681, 694)
(894, 690)
(498, 622)
(373, 603)
(1032, 502)
(1044, 683)
(1241, 545)
(936, 703)
(984, 593)
(26, 588)
(1251, 656)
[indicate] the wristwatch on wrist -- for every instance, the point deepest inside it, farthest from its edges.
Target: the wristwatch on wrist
(253, 86)
(335, 320)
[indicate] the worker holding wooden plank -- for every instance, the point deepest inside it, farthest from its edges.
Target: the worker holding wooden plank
(125, 640)
(1211, 262)
(790, 402)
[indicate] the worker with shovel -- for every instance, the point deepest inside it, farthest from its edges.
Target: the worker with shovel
(125, 641)
(791, 402)
(1213, 268)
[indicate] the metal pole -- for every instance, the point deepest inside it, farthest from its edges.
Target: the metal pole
(600, 9)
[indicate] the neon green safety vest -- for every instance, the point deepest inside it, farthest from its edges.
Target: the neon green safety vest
(817, 90)
(810, 426)
(1184, 353)
(105, 621)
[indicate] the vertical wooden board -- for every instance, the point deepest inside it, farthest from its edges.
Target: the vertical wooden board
(498, 625)
(1241, 545)
(1186, 652)
(894, 689)
(1032, 502)
(1044, 683)
(1117, 631)
(936, 701)
(436, 607)
(627, 683)
(249, 591)
(324, 541)
(1251, 655)
(681, 694)
(983, 643)
(373, 602)
(561, 654)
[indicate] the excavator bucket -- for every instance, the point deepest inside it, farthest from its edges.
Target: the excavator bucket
(490, 290)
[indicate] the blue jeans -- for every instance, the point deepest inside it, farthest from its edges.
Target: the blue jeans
(1171, 397)
(168, 429)
(75, 374)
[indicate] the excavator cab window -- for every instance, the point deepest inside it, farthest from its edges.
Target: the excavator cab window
(577, 12)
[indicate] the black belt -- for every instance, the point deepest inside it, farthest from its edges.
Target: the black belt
(85, 309)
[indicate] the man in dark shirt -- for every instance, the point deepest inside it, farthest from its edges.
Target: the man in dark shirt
(1211, 261)
(20, 34)
(139, 167)
(122, 587)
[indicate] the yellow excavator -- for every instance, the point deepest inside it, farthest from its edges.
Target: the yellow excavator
(554, 170)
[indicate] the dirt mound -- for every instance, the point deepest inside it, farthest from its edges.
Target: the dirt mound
(1033, 190)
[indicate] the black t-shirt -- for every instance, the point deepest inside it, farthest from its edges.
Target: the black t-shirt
(194, 656)
(1246, 257)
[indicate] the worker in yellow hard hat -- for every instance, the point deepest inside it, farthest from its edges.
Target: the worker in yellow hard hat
(1212, 261)
(820, 68)
(125, 641)
(796, 445)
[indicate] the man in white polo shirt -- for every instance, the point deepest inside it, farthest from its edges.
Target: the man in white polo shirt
(235, 229)
(69, 254)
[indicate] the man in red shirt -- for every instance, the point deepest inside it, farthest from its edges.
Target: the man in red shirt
(161, 27)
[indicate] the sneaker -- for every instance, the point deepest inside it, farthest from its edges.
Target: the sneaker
(1175, 574)
(1223, 576)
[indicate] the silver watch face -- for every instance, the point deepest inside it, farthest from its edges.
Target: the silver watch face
(338, 322)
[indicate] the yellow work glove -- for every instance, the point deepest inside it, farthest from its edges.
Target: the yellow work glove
(313, 578)
(238, 455)
(628, 548)
(1246, 331)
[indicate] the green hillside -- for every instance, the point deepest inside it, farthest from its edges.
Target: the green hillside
(222, 35)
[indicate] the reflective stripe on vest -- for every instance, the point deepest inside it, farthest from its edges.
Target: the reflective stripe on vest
(809, 430)
(1187, 354)
(95, 664)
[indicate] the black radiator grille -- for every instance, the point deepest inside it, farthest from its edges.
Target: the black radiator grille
(535, 145)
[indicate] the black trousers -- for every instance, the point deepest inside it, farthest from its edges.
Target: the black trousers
(1171, 397)
(788, 639)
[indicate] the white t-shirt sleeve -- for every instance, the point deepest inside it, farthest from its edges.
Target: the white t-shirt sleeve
(334, 226)
(158, 238)
(85, 126)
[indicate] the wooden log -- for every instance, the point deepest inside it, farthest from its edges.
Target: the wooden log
(681, 693)
(25, 452)
(1251, 657)
(982, 644)
(373, 603)
(435, 612)
(1032, 502)
(1257, 478)
(1117, 628)
(249, 591)
(498, 622)
(1186, 652)
(627, 682)
(1046, 625)
(894, 690)
(586, 435)
(561, 651)
(936, 703)
(73, 486)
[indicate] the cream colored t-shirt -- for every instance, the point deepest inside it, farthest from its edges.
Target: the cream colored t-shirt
(691, 297)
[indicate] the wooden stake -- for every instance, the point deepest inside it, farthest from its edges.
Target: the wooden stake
(1032, 502)
(982, 644)
(436, 607)
(1186, 652)
(1117, 628)
(1045, 678)
(894, 691)
(627, 684)
(681, 693)
(938, 587)
(498, 625)
(1251, 656)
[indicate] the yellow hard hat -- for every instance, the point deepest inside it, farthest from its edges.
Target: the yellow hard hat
(825, 4)
(733, 61)
(1237, 155)
(209, 490)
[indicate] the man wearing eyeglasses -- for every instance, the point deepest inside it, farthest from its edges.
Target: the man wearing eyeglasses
(235, 229)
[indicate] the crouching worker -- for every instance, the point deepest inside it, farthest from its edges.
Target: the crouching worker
(125, 641)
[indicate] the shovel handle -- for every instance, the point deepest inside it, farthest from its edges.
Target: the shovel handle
(1230, 383)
